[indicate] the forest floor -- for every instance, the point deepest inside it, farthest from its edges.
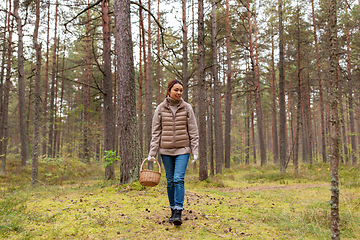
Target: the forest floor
(246, 202)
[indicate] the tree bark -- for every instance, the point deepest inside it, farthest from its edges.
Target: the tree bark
(86, 89)
(51, 151)
(148, 90)
(140, 100)
(5, 106)
(219, 157)
(46, 86)
(252, 127)
(259, 117)
(247, 129)
(335, 122)
(228, 91)
(36, 135)
(210, 132)
(128, 132)
(342, 117)
(323, 134)
(350, 97)
(185, 74)
(203, 173)
(282, 112)
(108, 88)
(21, 85)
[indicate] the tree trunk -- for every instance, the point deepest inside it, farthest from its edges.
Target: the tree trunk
(51, 151)
(335, 122)
(126, 104)
(282, 112)
(2, 74)
(35, 145)
(210, 132)
(300, 113)
(148, 90)
(185, 74)
(86, 153)
(228, 91)
(274, 107)
(108, 88)
(342, 118)
(350, 96)
(247, 129)
(159, 83)
(259, 116)
(46, 87)
(5, 106)
(323, 134)
(61, 131)
(203, 173)
(140, 100)
(253, 127)
(21, 84)
(218, 134)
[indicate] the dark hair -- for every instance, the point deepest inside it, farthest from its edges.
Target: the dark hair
(171, 84)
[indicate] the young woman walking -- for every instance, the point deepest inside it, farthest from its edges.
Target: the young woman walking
(174, 136)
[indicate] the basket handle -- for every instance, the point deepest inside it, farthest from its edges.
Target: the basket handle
(141, 168)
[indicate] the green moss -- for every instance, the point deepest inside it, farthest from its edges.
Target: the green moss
(247, 202)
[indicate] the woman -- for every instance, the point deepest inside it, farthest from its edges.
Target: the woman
(175, 136)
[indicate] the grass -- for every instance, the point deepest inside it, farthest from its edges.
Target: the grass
(246, 202)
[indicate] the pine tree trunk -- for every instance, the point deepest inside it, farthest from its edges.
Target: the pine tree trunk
(218, 133)
(300, 112)
(21, 84)
(60, 110)
(247, 129)
(108, 88)
(203, 173)
(323, 135)
(148, 90)
(351, 104)
(253, 128)
(228, 91)
(282, 112)
(51, 141)
(36, 135)
(140, 100)
(274, 141)
(309, 138)
(335, 122)
(210, 132)
(342, 118)
(185, 74)
(159, 84)
(126, 104)
(86, 153)
(5, 106)
(259, 117)
(46, 87)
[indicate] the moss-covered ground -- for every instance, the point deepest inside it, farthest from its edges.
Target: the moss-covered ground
(247, 202)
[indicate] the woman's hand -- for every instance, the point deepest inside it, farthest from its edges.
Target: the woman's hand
(151, 158)
(195, 158)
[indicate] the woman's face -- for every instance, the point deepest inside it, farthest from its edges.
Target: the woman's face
(176, 91)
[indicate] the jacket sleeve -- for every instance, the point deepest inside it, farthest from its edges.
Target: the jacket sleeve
(156, 133)
(193, 131)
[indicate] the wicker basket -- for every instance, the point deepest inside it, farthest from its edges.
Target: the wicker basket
(148, 177)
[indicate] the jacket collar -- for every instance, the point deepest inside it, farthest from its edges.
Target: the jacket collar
(181, 105)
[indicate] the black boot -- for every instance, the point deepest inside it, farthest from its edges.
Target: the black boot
(177, 218)
(171, 219)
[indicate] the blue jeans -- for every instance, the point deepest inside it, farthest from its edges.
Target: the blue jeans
(175, 167)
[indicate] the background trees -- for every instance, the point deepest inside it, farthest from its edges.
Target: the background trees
(257, 77)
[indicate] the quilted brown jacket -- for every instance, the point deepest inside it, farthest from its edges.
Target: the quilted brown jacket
(174, 133)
